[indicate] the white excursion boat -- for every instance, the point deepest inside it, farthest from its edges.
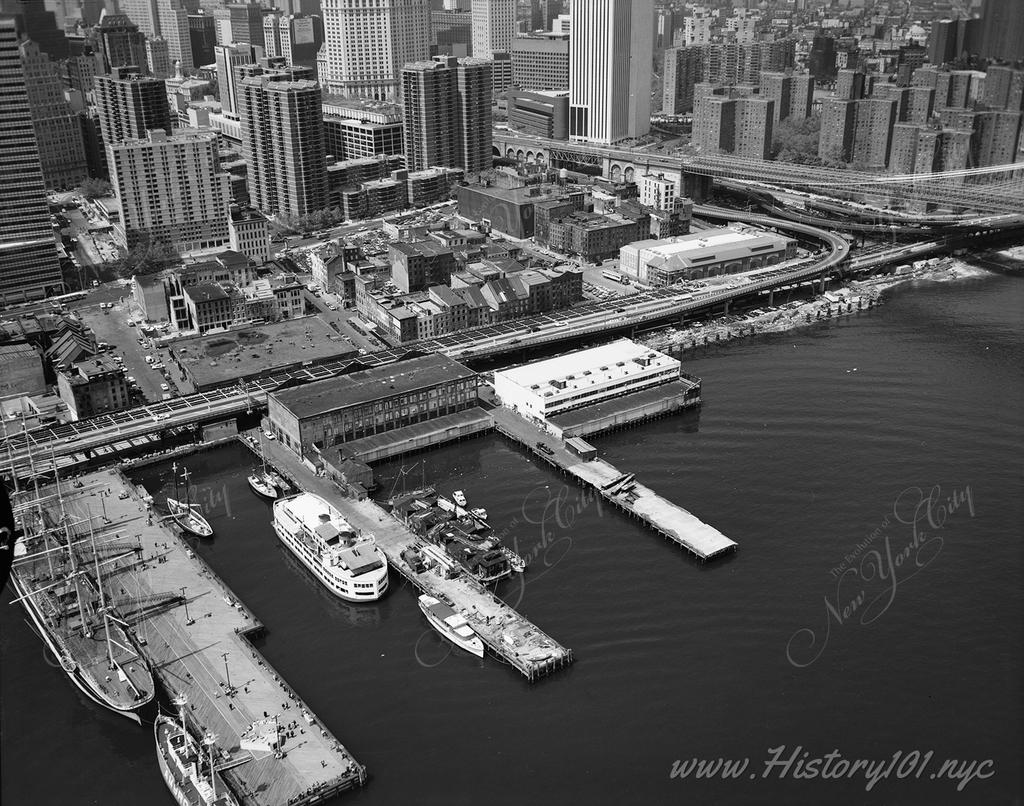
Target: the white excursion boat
(451, 625)
(349, 564)
(189, 773)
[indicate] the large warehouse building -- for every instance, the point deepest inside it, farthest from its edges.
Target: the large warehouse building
(546, 388)
(709, 253)
(321, 414)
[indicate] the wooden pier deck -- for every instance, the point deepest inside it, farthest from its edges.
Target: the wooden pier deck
(208, 658)
(510, 636)
(672, 521)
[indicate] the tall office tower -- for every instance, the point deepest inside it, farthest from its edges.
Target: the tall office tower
(924, 149)
(130, 104)
(228, 58)
(119, 41)
(158, 59)
(143, 13)
(473, 118)
(684, 68)
(792, 92)
(272, 33)
(38, 24)
(367, 42)
(544, 12)
(428, 95)
(29, 266)
(451, 32)
(172, 17)
(995, 139)
(698, 29)
(1002, 30)
(540, 62)
(740, 126)
(58, 132)
(494, 25)
(294, 38)
(610, 70)
(283, 144)
(202, 32)
(448, 118)
(665, 20)
(240, 23)
(171, 188)
(821, 60)
(1004, 88)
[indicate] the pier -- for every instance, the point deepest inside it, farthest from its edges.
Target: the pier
(618, 488)
(196, 644)
(508, 635)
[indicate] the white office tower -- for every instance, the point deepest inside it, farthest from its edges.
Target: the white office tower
(610, 53)
(494, 25)
(367, 42)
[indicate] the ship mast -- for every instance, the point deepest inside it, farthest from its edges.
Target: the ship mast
(210, 740)
(103, 598)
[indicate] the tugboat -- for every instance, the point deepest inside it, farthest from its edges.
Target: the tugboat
(451, 625)
(187, 515)
(190, 774)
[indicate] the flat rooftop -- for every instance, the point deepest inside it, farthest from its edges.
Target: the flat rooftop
(715, 244)
(584, 368)
(248, 352)
(364, 386)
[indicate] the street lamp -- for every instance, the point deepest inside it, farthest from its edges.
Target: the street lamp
(227, 673)
(184, 600)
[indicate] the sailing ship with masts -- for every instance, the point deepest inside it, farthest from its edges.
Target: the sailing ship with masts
(58, 574)
(262, 481)
(187, 762)
(187, 514)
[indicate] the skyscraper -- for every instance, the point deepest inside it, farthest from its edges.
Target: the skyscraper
(29, 266)
(158, 59)
(1002, 30)
(683, 68)
(228, 58)
(494, 25)
(610, 69)
(120, 42)
(366, 43)
(58, 132)
(202, 31)
(130, 104)
(171, 188)
(283, 144)
(241, 23)
(166, 18)
(730, 125)
(448, 114)
(38, 24)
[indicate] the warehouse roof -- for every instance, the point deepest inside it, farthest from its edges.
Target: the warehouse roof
(389, 380)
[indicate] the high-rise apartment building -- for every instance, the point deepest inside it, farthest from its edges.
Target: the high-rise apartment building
(119, 41)
(698, 29)
(494, 26)
(540, 62)
(610, 70)
(58, 132)
(171, 188)
(793, 94)
(858, 132)
(129, 104)
(447, 114)
(29, 266)
(730, 125)
(1004, 88)
(995, 139)
(283, 143)
(683, 69)
(366, 43)
(920, 149)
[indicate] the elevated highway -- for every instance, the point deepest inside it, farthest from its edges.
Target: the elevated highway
(643, 309)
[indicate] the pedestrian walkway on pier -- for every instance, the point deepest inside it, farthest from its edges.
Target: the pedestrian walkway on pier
(198, 648)
(621, 489)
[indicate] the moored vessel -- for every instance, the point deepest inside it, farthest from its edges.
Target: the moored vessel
(349, 564)
(451, 625)
(263, 485)
(187, 515)
(187, 763)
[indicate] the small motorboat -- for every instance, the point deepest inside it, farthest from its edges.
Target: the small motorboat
(479, 512)
(263, 485)
(459, 498)
(517, 563)
(451, 625)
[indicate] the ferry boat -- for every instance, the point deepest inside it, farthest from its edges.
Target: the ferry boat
(451, 625)
(192, 779)
(187, 515)
(57, 576)
(350, 565)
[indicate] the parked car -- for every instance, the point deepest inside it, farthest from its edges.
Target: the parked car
(268, 434)
(164, 387)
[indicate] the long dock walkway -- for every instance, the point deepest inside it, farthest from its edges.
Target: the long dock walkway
(621, 489)
(506, 633)
(205, 656)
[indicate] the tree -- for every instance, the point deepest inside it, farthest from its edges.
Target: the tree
(95, 188)
(146, 255)
(797, 140)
